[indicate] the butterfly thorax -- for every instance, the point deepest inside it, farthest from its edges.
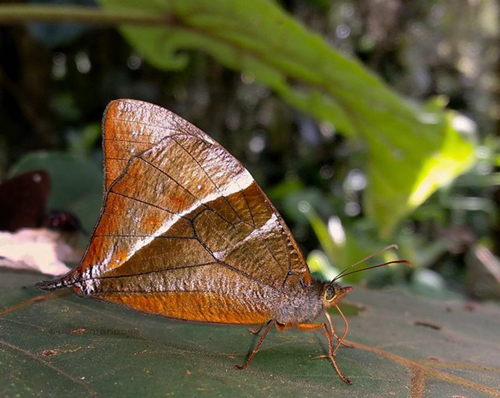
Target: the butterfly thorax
(302, 304)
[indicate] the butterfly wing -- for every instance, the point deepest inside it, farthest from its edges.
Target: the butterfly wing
(185, 231)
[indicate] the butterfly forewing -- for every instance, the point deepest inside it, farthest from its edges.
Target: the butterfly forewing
(131, 127)
(185, 231)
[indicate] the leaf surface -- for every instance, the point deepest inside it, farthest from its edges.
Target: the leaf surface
(62, 345)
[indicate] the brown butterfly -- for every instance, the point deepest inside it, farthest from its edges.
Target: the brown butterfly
(185, 232)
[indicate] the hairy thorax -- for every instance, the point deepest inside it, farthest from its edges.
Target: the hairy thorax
(301, 305)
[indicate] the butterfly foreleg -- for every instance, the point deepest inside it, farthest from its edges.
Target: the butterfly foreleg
(257, 331)
(340, 340)
(331, 351)
(257, 347)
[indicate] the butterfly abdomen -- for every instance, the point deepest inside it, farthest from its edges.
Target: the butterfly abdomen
(82, 286)
(52, 285)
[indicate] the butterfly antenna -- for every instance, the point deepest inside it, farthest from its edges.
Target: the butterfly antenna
(393, 246)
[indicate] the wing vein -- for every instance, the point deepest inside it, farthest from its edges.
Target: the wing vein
(211, 180)
(141, 236)
(198, 201)
(150, 204)
(157, 126)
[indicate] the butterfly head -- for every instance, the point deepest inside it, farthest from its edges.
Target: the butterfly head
(333, 293)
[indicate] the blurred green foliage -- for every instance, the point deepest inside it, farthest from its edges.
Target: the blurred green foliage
(410, 151)
(349, 162)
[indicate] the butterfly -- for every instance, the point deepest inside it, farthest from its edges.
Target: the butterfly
(185, 232)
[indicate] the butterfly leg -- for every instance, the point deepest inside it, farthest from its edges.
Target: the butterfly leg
(340, 340)
(256, 331)
(257, 347)
(331, 352)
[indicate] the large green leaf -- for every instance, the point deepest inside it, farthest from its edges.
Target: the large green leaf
(62, 345)
(412, 151)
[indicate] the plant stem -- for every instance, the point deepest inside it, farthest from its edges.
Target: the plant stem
(20, 14)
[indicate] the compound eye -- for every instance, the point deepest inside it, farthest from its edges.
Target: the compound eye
(329, 293)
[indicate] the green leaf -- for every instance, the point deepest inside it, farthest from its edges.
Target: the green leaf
(342, 247)
(412, 151)
(332, 249)
(319, 264)
(53, 345)
(83, 142)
